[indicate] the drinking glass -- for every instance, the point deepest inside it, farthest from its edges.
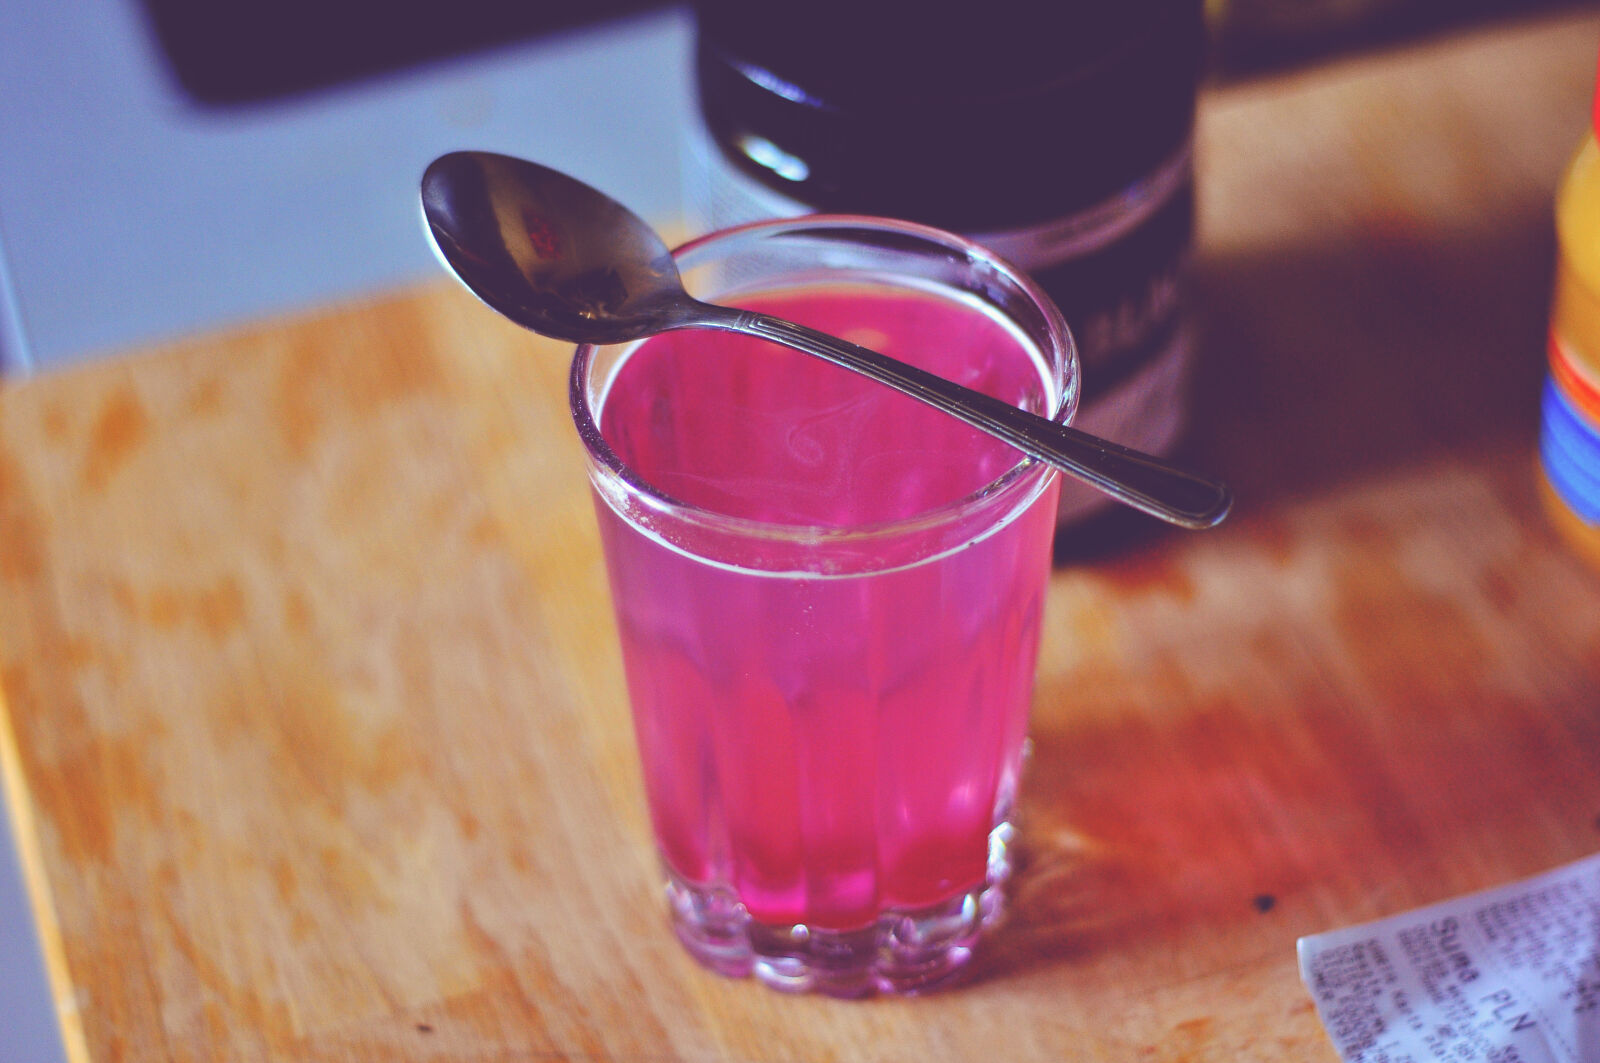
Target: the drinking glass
(828, 597)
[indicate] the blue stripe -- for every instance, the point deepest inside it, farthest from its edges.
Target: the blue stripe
(1569, 446)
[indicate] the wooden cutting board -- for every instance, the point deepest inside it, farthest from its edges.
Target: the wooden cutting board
(318, 749)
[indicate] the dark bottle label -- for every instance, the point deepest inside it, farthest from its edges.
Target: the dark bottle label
(1115, 270)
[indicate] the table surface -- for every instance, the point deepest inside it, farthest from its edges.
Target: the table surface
(317, 746)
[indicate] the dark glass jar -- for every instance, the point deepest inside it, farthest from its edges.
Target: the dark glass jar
(1058, 134)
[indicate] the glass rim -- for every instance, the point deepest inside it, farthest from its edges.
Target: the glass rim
(1068, 377)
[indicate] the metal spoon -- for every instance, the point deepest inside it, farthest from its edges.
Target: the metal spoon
(566, 261)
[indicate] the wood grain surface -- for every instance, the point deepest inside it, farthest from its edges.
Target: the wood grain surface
(318, 747)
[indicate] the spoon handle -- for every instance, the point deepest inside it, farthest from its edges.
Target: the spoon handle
(1141, 480)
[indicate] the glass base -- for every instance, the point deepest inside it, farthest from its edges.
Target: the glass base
(904, 952)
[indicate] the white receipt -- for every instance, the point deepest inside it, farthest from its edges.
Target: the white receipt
(1510, 975)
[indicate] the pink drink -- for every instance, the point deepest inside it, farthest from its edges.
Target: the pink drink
(832, 737)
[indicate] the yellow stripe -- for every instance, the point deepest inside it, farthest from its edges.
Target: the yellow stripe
(20, 806)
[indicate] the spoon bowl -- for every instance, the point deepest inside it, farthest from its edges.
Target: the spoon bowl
(568, 262)
(522, 237)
